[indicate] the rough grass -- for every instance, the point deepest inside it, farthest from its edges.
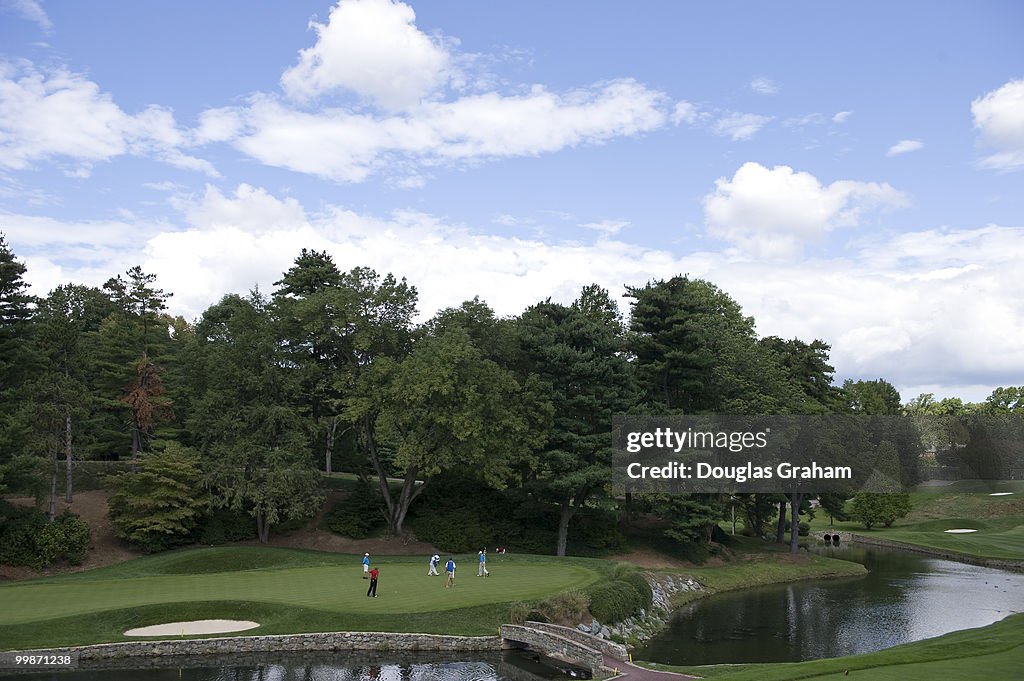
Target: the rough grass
(287, 591)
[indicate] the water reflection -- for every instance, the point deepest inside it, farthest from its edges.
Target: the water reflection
(316, 667)
(905, 597)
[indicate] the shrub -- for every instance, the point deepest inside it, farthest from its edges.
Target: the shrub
(224, 525)
(614, 601)
(871, 509)
(803, 529)
(357, 515)
(625, 573)
(26, 538)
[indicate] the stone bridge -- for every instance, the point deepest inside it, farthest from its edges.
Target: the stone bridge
(562, 643)
(844, 537)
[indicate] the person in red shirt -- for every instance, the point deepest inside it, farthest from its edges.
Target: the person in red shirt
(372, 591)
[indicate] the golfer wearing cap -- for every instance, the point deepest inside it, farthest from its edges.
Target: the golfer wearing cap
(366, 566)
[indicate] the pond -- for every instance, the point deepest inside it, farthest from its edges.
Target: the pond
(508, 666)
(905, 597)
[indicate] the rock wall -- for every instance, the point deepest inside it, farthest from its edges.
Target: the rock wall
(332, 641)
(647, 624)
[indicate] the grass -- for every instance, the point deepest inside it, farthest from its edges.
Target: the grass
(287, 591)
(967, 504)
(993, 653)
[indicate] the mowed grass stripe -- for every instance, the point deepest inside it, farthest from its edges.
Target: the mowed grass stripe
(403, 587)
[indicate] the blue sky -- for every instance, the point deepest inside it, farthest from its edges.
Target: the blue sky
(851, 172)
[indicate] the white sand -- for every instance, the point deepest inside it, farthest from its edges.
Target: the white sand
(1000, 494)
(195, 627)
(959, 531)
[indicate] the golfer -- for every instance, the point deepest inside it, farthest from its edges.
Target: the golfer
(450, 569)
(366, 565)
(482, 570)
(372, 591)
(434, 560)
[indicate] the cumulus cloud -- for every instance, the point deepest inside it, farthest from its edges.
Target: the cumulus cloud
(904, 147)
(684, 112)
(740, 126)
(372, 48)
(920, 308)
(346, 146)
(57, 114)
(764, 86)
(773, 212)
(999, 117)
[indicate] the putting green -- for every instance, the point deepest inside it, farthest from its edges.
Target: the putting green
(338, 587)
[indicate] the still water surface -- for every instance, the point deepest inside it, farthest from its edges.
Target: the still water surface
(905, 597)
(313, 667)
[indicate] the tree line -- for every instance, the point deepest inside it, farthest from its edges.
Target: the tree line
(329, 371)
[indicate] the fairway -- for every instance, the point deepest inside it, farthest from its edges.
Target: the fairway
(328, 584)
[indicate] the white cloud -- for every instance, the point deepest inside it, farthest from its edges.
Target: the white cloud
(607, 227)
(56, 114)
(684, 112)
(29, 10)
(999, 116)
(921, 308)
(842, 117)
(764, 86)
(344, 146)
(740, 126)
(372, 48)
(904, 147)
(773, 212)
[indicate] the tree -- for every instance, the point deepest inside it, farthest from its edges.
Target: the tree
(254, 443)
(873, 398)
(17, 361)
(576, 352)
(335, 325)
(160, 505)
(874, 509)
(442, 408)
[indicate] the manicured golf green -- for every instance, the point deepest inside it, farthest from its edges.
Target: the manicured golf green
(998, 519)
(313, 591)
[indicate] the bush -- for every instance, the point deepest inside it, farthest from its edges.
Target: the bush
(803, 529)
(224, 525)
(358, 515)
(26, 538)
(871, 509)
(625, 573)
(614, 601)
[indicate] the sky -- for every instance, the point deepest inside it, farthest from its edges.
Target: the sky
(845, 171)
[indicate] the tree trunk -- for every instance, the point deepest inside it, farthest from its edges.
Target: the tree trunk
(52, 513)
(67, 458)
(794, 528)
(262, 528)
(780, 535)
(567, 512)
(329, 450)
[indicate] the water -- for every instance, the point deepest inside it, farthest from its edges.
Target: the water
(509, 666)
(905, 597)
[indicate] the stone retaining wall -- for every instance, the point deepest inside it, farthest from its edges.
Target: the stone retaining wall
(999, 563)
(331, 641)
(610, 648)
(553, 645)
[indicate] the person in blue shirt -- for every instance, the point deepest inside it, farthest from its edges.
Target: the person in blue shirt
(450, 569)
(482, 570)
(434, 560)
(366, 566)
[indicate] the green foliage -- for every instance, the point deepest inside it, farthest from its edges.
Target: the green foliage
(358, 515)
(161, 504)
(614, 601)
(223, 525)
(26, 538)
(879, 509)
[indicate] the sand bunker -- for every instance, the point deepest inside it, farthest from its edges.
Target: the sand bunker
(960, 531)
(191, 628)
(1000, 494)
